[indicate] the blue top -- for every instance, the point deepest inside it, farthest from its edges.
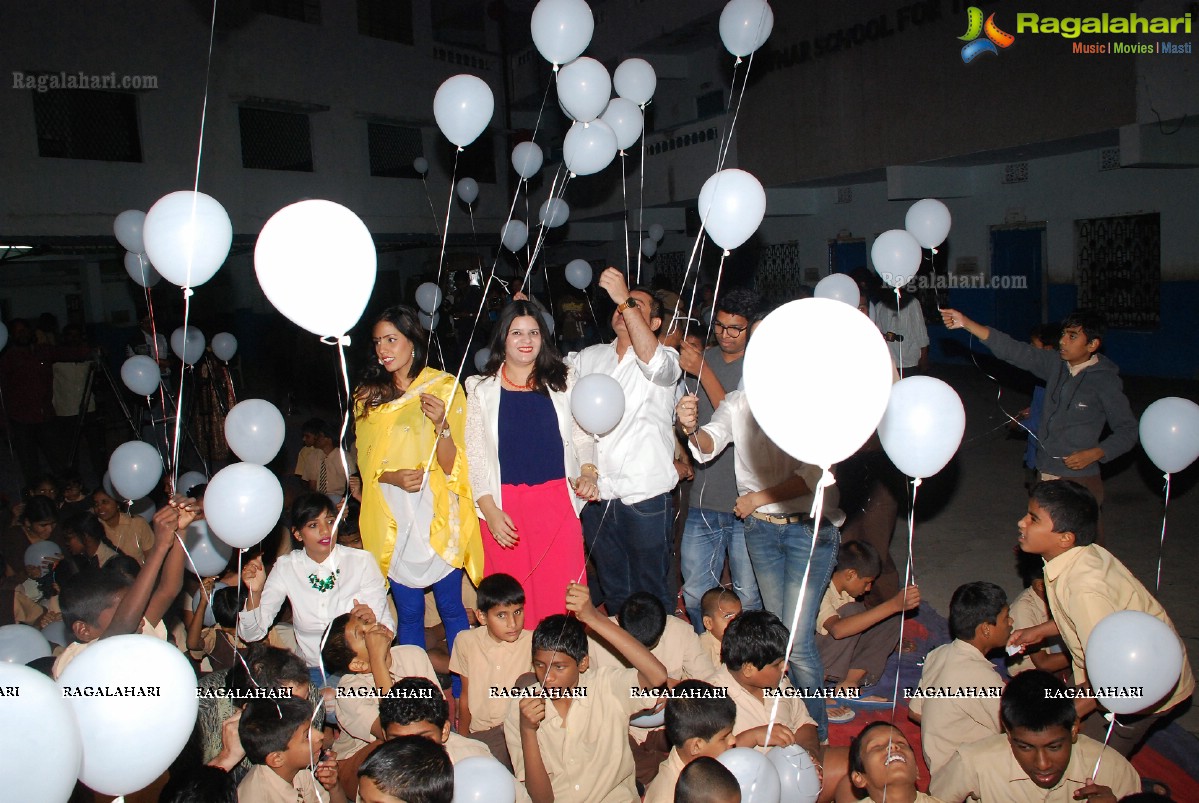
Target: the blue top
(530, 443)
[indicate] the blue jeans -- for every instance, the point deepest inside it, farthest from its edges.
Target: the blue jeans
(707, 536)
(629, 546)
(779, 553)
(410, 611)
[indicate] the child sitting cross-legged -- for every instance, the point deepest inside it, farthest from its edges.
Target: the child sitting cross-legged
(409, 769)
(283, 746)
(720, 606)
(695, 727)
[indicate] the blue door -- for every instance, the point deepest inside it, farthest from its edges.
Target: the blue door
(1016, 273)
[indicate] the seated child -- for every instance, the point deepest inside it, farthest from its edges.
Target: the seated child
(363, 654)
(1029, 609)
(409, 769)
(1084, 583)
(591, 761)
(719, 606)
(283, 746)
(706, 780)
(1040, 755)
(74, 500)
(883, 764)
(494, 654)
(32, 598)
(979, 623)
(84, 535)
(128, 533)
(853, 641)
(102, 603)
(215, 647)
(695, 727)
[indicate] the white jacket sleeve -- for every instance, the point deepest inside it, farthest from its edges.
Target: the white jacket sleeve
(478, 460)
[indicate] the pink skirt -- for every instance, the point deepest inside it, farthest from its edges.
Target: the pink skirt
(549, 553)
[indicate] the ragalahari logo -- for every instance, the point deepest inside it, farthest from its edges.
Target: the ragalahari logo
(975, 27)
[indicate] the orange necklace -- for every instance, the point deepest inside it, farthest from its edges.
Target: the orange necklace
(528, 385)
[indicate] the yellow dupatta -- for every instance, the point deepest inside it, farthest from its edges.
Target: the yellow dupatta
(398, 435)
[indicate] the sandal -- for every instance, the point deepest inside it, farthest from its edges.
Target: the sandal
(839, 714)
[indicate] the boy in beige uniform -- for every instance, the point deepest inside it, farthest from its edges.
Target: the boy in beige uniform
(574, 747)
(1030, 609)
(1084, 583)
(957, 701)
(1040, 758)
(281, 743)
(696, 726)
(719, 606)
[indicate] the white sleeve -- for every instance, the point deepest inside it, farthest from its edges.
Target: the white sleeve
(663, 368)
(477, 459)
(720, 428)
(254, 625)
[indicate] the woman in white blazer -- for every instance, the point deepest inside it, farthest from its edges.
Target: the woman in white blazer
(531, 466)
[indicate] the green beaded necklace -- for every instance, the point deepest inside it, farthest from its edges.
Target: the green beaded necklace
(323, 584)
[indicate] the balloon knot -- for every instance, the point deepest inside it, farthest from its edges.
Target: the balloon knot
(188, 292)
(917, 482)
(572, 175)
(555, 68)
(934, 250)
(587, 125)
(738, 61)
(335, 340)
(727, 252)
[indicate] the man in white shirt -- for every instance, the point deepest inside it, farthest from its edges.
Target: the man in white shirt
(628, 532)
(322, 468)
(902, 325)
(776, 493)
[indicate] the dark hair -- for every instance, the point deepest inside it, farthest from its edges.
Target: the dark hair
(309, 506)
(860, 556)
(1036, 700)
(87, 527)
(204, 784)
(225, 606)
(643, 616)
(124, 566)
(741, 301)
(269, 668)
(699, 717)
(43, 479)
(705, 780)
(656, 308)
(755, 637)
(267, 726)
(87, 595)
(336, 654)
(1092, 323)
(709, 602)
(1030, 567)
(855, 745)
(349, 519)
(39, 508)
(549, 372)
(1071, 506)
(414, 699)
(412, 768)
(561, 633)
(1050, 334)
(376, 386)
(317, 426)
(974, 604)
(499, 589)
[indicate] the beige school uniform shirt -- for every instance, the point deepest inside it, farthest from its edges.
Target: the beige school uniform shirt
(485, 662)
(73, 649)
(262, 785)
(753, 713)
(661, 789)
(946, 723)
(132, 535)
(832, 601)
(356, 715)
(1027, 610)
(678, 649)
(987, 771)
(586, 754)
(711, 646)
(1086, 584)
(459, 747)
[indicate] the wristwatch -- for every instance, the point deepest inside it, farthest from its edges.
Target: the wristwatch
(444, 434)
(629, 303)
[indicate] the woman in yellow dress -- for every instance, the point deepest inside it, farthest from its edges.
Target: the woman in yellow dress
(417, 517)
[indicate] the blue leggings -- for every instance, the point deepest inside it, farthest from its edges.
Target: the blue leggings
(410, 610)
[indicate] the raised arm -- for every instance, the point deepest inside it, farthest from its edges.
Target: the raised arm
(650, 671)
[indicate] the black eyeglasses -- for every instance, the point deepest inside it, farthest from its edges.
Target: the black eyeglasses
(735, 331)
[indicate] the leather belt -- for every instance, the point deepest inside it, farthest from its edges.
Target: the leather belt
(791, 518)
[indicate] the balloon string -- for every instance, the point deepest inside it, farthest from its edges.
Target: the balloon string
(999, 402)
(449, 205)
(432, 209)
(727, 134)
(640, 197)
(556, 193)
(203, 120)
(162, 392)
(817, 513)
(712, 323)
(342, 342)
(628, 255)
(909, 576)
(899, 362)
(1111, 726)
(1162, 545)
(173, 466)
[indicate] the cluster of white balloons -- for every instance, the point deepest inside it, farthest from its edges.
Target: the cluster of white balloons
(185, 237)
(243, 501)
(780, 775)
(140, 373)
(896, 253)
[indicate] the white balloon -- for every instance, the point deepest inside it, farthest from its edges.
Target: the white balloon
(654, 719)
(798, 777)
(428, 297)
(483, 779)
(140, 270)
(561, 29)
(923, 425)
(44, 753)
(527, 159)
(56, 634)
(832, 394)
(584, 88)
(143, 507)
(928, 221)
(463, 107)
(731, 206)
(187, 236)
(421, 165)
(553, 213)
(242, 504)
(468, 190)
(316, 262)
(656, 232)
(128, 741)
(1132, 649)
(140, 374)
(128, 229)
(839, 287)
(578, 273)
(896, 257)
(134, 469)
(745, 25)
(254, 429)
(625, 120)
(189, 480)
(481, 358)
(597, 402)
(208, 555)
(514, 235)
(429, 321)
(635, 80)
(37, 554)
(20, 644)
(1170, 433)
(588, 149)
(649, 248)
(188, 344)
(755, 775)
(224, 346)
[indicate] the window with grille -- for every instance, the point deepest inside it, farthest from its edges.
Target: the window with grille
(275, 140)
(392, 149)
(308, 11)
(386, 19)
(86, 124)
